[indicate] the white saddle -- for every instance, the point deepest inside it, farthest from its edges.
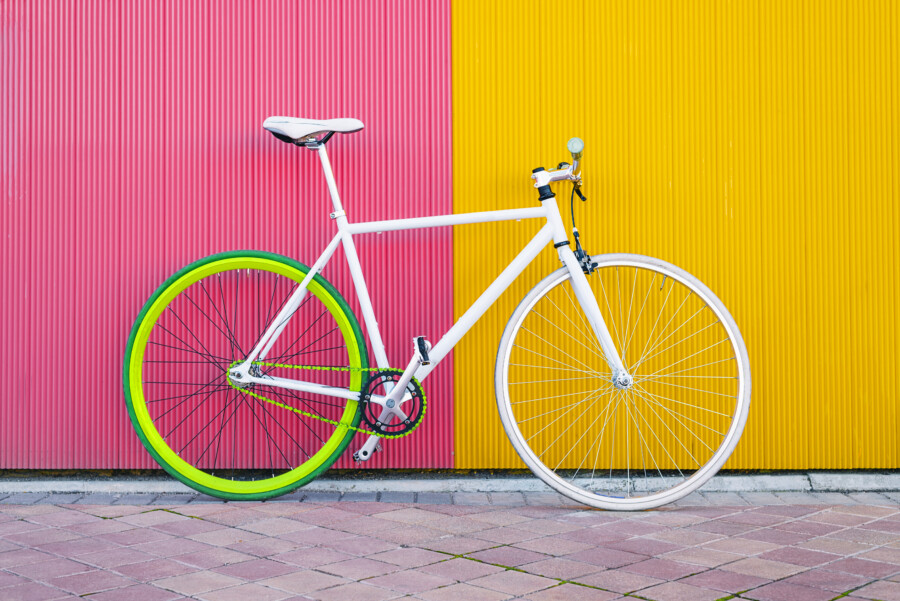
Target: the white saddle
(291, 129)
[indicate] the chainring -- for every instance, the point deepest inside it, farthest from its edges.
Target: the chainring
(414, 407)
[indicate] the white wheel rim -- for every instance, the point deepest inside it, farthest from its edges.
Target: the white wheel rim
(698, 477)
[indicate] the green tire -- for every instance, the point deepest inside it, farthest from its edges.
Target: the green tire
(194, 423)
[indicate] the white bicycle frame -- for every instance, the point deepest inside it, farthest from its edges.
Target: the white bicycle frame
(553, 230)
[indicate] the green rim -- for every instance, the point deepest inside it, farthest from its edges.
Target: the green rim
(134, 396)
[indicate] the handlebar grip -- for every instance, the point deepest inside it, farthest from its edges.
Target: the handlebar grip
(576, 147)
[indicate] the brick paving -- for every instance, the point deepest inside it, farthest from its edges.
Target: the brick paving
(434, 547)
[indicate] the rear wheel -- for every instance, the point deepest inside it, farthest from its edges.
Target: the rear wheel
(638, 447)
(212, 436)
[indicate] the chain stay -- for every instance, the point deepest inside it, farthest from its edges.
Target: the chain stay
(319, 417)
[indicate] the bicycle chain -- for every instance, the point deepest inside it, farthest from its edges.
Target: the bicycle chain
(319, 417)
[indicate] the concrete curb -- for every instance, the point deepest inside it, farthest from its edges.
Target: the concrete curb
(808, 482)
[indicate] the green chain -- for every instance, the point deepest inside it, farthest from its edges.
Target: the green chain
(319, 417)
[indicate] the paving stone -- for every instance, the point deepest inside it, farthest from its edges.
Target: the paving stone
(468, 592)
(471, 498)
(771, 570)
(507, 556)
(410, 581)
(97, 499)
(257, 569)
(355, 591)
(60, 498)
(834, 498)
(457, 545)
(434, 498)
(359, 497)
(549, 499)
(785, 591)
(33, 591)
(136, 499)
(358, 568)
(207, 499)
(139, 592)
(212, 558)
(20, 557)
(42, 537)
(397, 497)
(244, 592)
(692, 500)
(303, 581)
(700, 556)
(568, 592)
(154, 569)
(678, 591)
(8, 579)
(834, 545)
(197, 582)
(872, 498)
(514, 582)
(721, 580)
(562, 569)
(409, 557)
(798, 498)
(507, 498)
(360, 545)
(553, 545)
(740, 546)
(461, 569)
(88, 583)
(762, 498)
(885, 554)
(800, 557)
(25, 498)
(663, 568)
(808, 527)
(51, 568)
(175, 499)
(606, 558)
(724, 498)
(312, 557)
(321, 497)
(864, 567)
(883, 590)
(619, 581)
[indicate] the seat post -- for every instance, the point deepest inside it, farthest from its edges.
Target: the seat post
(329, 177)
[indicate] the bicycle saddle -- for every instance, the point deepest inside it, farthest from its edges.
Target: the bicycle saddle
(291, 129)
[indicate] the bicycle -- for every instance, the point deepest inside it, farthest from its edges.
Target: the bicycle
(621, 380)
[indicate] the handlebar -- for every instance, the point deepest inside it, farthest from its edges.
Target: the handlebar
(565, 171)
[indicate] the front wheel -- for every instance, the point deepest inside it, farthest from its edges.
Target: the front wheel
(230, 442)
(624, 448)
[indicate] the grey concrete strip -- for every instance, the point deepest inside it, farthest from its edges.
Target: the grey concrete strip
(855, 481)
(502, 487)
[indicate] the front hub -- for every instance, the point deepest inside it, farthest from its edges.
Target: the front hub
(623, 381)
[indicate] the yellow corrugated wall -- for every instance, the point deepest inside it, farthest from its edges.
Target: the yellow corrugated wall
(750, 143)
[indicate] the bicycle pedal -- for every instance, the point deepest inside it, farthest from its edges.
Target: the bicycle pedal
(422, 347)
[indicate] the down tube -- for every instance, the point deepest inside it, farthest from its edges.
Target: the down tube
(487, 299)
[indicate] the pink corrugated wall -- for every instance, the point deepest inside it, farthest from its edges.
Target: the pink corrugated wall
(130, 145)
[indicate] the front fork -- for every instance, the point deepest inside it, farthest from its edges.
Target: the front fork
(582, 289)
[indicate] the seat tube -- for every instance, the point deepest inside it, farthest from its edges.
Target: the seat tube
(356, 274)
(329, 179)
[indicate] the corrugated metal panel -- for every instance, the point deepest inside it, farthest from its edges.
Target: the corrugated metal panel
(132, 145)
(750, 143)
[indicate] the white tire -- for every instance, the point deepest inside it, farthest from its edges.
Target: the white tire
(624, 449)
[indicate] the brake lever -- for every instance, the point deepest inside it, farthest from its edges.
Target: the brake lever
(578, 192)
